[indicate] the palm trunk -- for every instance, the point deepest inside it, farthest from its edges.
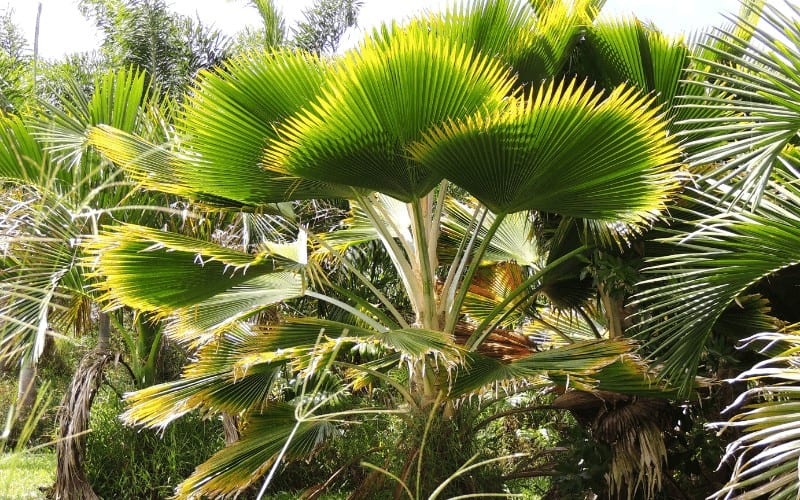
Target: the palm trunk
(615, 313)
(27, 389)
(73, 423)
(103, 331)
(73, 418)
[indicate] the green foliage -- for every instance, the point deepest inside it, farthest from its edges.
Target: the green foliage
(145, 34)
(324, 24)
(27, 475)
(127, 463)
(16, 76)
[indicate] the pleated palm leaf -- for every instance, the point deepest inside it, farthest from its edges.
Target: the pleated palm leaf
(395, 127)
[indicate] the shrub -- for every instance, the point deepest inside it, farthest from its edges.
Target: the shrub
(124, 462)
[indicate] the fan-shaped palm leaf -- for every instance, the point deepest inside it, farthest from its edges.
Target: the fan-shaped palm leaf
(205, 285)
(535, 40)
(234, 468)
(563, 149)
(378, 101)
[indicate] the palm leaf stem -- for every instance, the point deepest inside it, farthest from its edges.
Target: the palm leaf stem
(484, 329)
(347, 307)
(358, 274)
(465, 247)
(431, 415)
(419, 228)
(468, 466)
(301, 416)
(458, 302)
(364, 304)
(399, 259)
(523, 302)
(435, 226)
(556, 329)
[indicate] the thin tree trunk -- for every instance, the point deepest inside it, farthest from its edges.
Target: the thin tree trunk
(230, 426)
(27, 389)
(103, 331)
(615, 313)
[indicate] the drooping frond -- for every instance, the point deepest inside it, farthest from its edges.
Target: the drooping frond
(235, 467)
(709, 268)
(765, 457)
(578, 364)
(759, 91)
(207, 286)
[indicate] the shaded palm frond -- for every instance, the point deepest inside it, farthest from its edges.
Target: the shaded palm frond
(711, 266)
(239, 465)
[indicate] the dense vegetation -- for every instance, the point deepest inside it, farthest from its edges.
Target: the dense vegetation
(505, 249)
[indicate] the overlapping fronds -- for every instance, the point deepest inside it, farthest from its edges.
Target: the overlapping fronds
(710, 267)
(38, 248)
(535, 41)
(578, 365)
(251, 94)
(626, 51)
(377, 102)
(513, 240)
(563, 149)
(209, 286)
(765, 457)
(759, 91)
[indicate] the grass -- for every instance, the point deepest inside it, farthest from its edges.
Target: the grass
(22, 474)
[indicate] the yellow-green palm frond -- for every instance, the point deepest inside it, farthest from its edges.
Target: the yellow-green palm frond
(534, 39)
(234, 468)
(222, 130)
(207, 287)
(380, 99)
(577, 364)
(562, 149)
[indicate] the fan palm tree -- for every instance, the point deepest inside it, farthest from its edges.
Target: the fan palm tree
(471, 103)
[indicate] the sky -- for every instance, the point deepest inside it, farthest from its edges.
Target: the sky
(64, 30)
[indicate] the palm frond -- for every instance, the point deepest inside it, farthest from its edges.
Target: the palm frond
(710, 267)
(765, 457)
(626, 51)
(577, 364)
(234, 468)
(562, 149)
(535, 40)
(378, 101)
(512, 242)
(183, 273)
(760, 90)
